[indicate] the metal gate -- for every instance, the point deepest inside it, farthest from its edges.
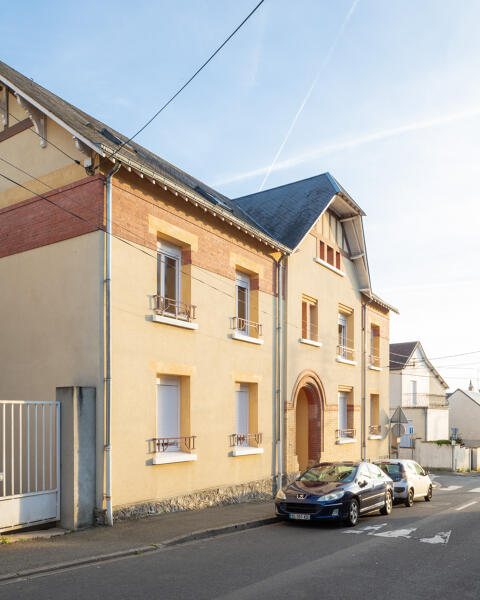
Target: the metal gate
(29, 463)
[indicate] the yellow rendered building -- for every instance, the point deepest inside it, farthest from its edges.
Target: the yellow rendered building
(124, 275)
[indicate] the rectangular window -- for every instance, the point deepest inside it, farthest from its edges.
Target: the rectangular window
(330, 256)
(342, 335)
(321, 250)
(375, 345)
(413, 384)
(169, 263)
(309, 319)
(242, 419)
(338, 262)
(374, 410)
(168, 412)
(243, 302)
(345, 347)
(342, 412)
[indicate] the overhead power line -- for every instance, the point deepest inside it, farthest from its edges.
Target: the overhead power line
(177, 93)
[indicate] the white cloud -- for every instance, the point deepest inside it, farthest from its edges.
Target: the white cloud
(368, 138)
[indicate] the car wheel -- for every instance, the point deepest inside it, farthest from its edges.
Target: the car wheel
(429, 495)
(352, 514)
(410, 496)
(387, 507)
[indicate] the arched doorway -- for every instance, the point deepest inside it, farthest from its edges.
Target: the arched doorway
(305, 422)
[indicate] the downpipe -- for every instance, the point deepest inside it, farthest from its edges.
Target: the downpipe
(108, 349)
(280, 371)
(364, 380)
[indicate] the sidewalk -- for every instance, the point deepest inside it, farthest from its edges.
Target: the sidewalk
(128, 537)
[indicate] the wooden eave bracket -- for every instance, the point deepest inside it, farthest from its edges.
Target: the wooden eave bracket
(4, 104)
(86, 150)
(38, 119)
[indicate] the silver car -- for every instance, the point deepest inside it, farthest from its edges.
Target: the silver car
(410, 480)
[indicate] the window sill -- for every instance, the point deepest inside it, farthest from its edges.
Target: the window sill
(164, 458)
(346, 441)
(173, 321)
(247, 450)
(373, 368)
(329, 266)
(246, 338)
(374, 437)
(310, 342)
(345, 361)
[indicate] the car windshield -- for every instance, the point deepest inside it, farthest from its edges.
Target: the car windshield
(393, 470)
(329, 473)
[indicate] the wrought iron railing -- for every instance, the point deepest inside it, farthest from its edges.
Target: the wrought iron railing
(245, 439)
(345, 352)
(344, 433)
(186, 442)
(245, 326)
(309, 331)
(375, 429)
(174, 308)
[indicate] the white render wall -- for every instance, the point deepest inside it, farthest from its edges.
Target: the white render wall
(438, 427)
(465, 415)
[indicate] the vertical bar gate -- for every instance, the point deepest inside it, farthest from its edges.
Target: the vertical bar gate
(29, 463)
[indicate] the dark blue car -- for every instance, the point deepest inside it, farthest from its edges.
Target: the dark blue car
(336, 490)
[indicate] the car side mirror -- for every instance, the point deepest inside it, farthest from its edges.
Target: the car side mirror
(362, 483)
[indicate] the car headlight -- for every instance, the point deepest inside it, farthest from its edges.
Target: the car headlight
(332, 496)
(280, 495)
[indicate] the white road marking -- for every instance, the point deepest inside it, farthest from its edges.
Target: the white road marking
(450, 488)
(396, 533)
(467, 505)
(441, 537)
(366, 529)
(477, 490)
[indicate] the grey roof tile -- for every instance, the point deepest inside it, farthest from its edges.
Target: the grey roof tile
(288, 212)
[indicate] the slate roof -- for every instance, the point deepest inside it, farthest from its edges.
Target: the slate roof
(400, 353)
(108, 140)
(288, 212)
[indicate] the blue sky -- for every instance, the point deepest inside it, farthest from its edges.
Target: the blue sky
(394, 116)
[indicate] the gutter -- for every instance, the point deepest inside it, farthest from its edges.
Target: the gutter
(108, 349)
(189, 195)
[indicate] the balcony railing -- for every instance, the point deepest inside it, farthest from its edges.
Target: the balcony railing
(345, 352)
(344, 433)
(175, 443)
(375, 429)
(374, 360)
(245, 326)
(424, 400)
(246, 439)
(174, 308)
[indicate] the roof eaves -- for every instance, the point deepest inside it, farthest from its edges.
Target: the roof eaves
(197, 198)
(95, 147)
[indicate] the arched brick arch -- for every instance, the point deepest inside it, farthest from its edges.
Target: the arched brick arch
(311, 385)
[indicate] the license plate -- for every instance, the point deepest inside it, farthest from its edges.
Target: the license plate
(300, 516)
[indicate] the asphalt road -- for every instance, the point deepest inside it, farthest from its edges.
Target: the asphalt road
(428, 551)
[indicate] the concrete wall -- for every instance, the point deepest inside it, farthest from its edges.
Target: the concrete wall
(432, 455)
(78, 456)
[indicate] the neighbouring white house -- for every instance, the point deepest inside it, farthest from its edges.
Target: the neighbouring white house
(465, 415)
(418, 388)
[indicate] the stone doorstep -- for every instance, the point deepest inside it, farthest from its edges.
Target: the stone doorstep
(28, 536)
